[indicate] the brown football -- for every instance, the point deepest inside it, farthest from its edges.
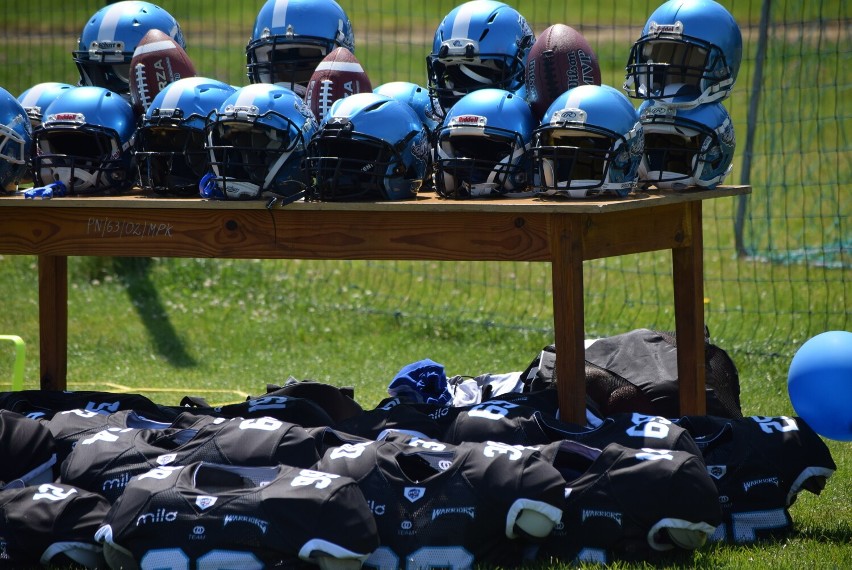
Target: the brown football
(560, 58)
(157, 61)
(338, 75)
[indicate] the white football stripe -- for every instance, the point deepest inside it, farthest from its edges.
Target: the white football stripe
(340, 66)
(152, 47)
(279, 14)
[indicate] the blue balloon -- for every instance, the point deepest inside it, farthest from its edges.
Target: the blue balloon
(820, 384)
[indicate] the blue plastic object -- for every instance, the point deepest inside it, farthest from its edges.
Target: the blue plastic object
(820, 384)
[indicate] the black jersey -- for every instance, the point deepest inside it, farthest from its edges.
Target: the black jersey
(300, 411)
(48, 524)
(515, 424)
(620, 501)
(392, 414)
(759, 464)
(70, 426)
(27, 451)
(207, 515)
(105, 461)
(439, 505)
(43, 404)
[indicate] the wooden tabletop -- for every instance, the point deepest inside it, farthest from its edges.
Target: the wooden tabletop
(424, 202)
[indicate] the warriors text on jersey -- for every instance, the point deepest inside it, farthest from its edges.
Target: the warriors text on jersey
(440, 505)
(221, 516)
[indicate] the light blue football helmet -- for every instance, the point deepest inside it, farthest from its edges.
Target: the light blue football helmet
(369, 146)
(36, 99)
(291, 37)
(689, 54)
(686, 147)
(110, 37)
(16, 137)
(85, 141)
(256, 141)
(171, 153)
(479, 44)
(482, 147)
(589, 143)
(415, 96)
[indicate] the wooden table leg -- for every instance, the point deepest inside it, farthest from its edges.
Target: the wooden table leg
(688, 275)
(568, 317)
(53, 320)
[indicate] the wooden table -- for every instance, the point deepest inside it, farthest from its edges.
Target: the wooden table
(564, 233)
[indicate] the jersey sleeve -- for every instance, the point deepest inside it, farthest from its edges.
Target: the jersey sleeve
(344, 524)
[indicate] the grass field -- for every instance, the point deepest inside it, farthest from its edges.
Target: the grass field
(222, 329)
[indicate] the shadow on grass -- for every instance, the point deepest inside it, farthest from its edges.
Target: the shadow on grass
(134, 274)
(840, 534)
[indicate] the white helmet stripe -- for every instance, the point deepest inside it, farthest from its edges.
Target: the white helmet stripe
(35, 92)
(244, 99)
(279, 13)
(172, 96)
(109, 23)
(461, 25)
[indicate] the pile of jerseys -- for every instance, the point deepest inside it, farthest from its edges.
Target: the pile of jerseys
(303, 477)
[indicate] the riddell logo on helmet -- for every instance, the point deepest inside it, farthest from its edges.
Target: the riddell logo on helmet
(110, 45)
(67, 117)
(469, 120)
(655, 29)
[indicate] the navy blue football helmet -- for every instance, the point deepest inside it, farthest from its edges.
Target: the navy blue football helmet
(291, 37)
(110, 37)
(589, 143)
(482, 147)
(689, 54)
(171, 153)
(15, 141)
(85, 141)
(256, 142)
(369, 146)
(686, 147)
(479, 44)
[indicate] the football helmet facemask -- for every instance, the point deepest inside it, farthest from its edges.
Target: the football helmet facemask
(479, 44)
(256, 142)
(689, 54)
(291, 37)
(85, 141)
(110, 37)
(686, 147)
(369, 146)
(482, 147)
(589, 143)
(170, 149)
(15, 141)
